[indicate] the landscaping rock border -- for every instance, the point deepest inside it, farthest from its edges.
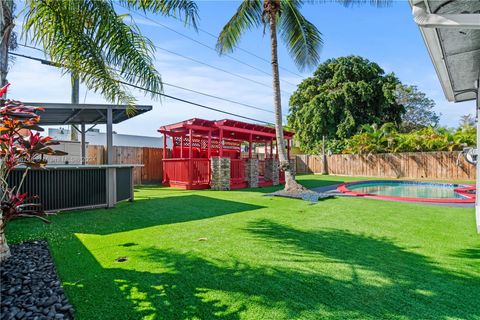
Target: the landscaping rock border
(30, 287)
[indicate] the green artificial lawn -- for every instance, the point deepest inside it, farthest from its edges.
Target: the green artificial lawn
(241, 255)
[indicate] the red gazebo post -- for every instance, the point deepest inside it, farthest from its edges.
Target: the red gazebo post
(164, 145)
(190, 161)
(181, 145)
(164, 157)
(288, 149)
(220, 142)
(209, 154)
(271, 148)
(266, 152)
(209, 145)
(250, 146)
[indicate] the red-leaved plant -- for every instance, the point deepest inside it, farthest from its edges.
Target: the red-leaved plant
(19, 146)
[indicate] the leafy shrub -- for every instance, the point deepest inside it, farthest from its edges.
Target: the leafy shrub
(19, 146)
(386, 139)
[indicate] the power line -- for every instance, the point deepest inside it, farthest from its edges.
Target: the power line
(244, 50)
(217, 68)
(207, 46)
(31, 47)
(170, 85)
(191, 102)
(47, 62)
(216, 97)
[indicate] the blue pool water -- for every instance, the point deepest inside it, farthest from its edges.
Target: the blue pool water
(408, 189)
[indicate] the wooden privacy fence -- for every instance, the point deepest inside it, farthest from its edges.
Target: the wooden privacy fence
(416, 165)
(151, 158)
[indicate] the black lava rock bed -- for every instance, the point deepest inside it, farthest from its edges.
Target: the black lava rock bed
(29, 287)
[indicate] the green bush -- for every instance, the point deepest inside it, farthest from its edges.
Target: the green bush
(386, 139)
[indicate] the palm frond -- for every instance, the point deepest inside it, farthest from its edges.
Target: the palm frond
(303, 39)
(247, 16)
(175, 8)
(89, 39)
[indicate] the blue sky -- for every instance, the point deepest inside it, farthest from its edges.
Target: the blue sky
(387, 36)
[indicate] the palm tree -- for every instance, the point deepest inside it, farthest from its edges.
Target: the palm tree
(89, 39)
(301, 37)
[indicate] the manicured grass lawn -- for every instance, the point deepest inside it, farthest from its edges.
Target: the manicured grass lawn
(265, 258)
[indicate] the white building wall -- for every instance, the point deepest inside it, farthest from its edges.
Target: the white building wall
(100, 138)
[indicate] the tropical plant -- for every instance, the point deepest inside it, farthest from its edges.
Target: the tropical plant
(89, 39)
(342, 95)
(301, 37)
(19, 146)
(467, 121)
(419, 111)
(386, 139)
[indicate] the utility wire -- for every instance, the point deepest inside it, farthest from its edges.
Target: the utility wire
(47, 62)
(214, 67)
(217, 68)
(191, 102)
(31, 47)
(207, 46)
(244, 50)
(181, 88)
(216, 97)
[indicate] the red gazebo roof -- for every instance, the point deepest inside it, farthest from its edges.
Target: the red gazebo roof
(234, 129)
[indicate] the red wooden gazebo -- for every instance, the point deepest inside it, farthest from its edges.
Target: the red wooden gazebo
(196, 141)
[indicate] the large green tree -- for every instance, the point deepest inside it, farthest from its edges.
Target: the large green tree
(92, 41)
(419, 111)
(342, 95)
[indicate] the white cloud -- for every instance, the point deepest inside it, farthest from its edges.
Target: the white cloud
(33, 81)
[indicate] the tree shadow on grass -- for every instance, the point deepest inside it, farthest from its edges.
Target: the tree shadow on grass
(324, 274)
(154, 211)
(172, 292)
(307, 183)
(186, 286)
(410, 286)
(469, 253)
(143, 213)
(313, 183)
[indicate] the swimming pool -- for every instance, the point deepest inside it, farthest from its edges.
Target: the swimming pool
(417, 191)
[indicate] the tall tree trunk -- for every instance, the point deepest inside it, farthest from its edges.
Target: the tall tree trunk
(75, 100)
(6, 28)
(290, 183)
(4, 248)
(324, 157)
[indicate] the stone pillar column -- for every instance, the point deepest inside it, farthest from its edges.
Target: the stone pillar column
(251, 172)
(271, 171)
(220, 173)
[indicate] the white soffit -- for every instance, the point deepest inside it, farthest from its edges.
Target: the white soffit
(451, 31)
